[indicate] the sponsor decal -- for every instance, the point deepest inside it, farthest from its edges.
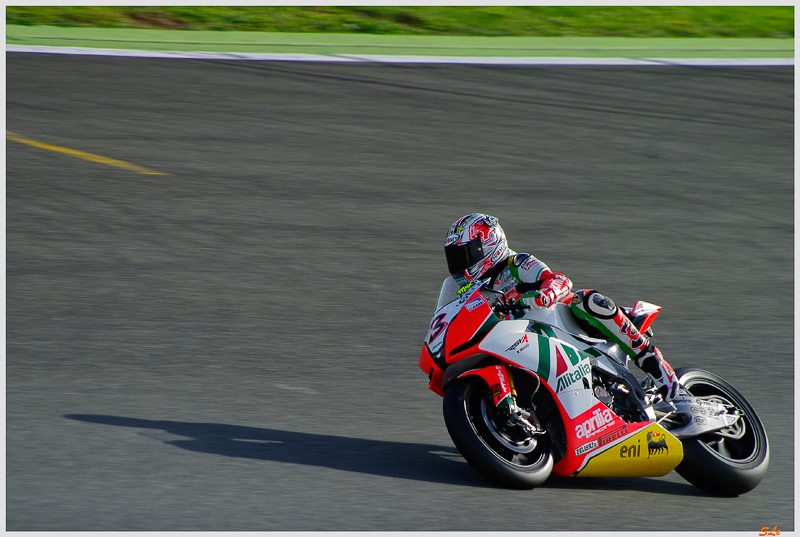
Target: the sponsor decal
(697, 410)
(600, 420)
(520, 341)
(586, 448)
(501, 376)
(497, 390)
(574, 357)
(512, 295)
(700, 421)
(568, 379)
(561, 365)
(529, 263)
(465, 288)
(619, 432)
(628, 451)
(474, 303)
(500, 390)
(656, 444)
(642, 454)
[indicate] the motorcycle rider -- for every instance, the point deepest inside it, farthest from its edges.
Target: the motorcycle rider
(476, 248)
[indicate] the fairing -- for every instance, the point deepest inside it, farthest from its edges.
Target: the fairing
(550, 343)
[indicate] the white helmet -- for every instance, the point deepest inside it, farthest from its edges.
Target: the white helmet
(475, 245)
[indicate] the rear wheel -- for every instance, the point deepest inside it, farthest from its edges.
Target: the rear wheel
(727, 462)
(508, 455)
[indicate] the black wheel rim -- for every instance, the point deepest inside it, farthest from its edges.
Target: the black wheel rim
(511, 444)
(741, 442)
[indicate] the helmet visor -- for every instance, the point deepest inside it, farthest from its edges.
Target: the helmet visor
(460, 257)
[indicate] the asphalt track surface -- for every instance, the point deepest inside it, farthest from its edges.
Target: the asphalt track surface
(234, 346)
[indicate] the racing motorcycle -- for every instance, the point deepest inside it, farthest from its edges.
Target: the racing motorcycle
(527, 393)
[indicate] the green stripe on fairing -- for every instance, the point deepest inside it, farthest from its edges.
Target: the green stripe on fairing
(592, 352)
(542, 329)
(571, 354)
(544, 333)
(544, 357)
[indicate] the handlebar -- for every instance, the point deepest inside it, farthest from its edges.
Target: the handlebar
(517, 307)
(502, 307)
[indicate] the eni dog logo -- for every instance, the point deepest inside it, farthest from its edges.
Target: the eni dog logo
(656, 444)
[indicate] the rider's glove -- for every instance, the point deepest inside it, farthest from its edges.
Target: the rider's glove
(546, 298)
(545, 292)
(539, 299)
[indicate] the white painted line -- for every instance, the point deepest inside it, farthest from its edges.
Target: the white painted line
(499, 60)
(725, 62)
(187, 55)
(377, 58)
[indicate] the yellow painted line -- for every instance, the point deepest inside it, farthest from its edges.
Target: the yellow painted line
(82, 154)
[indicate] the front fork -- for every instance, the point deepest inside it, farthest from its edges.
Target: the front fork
(524, 419)
(504, 395)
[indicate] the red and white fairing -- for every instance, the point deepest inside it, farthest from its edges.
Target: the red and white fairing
(540, 343)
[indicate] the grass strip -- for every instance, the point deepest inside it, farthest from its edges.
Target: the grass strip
(332, 43)
(529, 21)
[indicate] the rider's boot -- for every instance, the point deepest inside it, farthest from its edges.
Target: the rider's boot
(601, 312)
(652, 362)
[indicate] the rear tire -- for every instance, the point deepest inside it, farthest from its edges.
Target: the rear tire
(716, 463)
(505, 455)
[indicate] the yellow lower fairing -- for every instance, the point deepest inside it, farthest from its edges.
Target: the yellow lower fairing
(650, 452)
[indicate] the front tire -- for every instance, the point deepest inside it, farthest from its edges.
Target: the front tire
(727, 464)
(505, 455)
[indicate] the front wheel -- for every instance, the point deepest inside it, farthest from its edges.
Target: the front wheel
(727, 462)
(505, 454)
